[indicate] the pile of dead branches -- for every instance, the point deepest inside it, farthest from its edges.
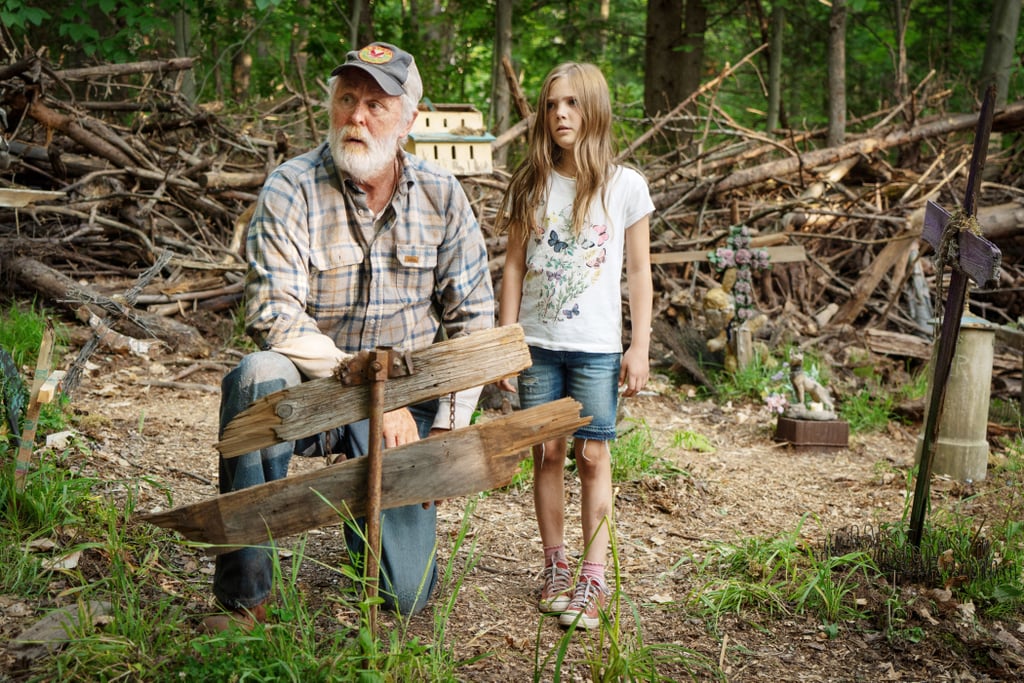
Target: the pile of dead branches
(136, 173)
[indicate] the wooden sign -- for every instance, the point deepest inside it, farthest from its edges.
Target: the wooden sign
(785, 254)
(322, 404)
(457, 463)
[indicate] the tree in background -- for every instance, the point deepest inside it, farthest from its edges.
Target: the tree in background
(501, 96)
(655, 53)
(837, 74)
(998, 61)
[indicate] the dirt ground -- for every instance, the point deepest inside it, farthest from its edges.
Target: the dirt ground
(748, 486)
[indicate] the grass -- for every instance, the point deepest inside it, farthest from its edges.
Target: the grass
(149, 580)
(21, 334)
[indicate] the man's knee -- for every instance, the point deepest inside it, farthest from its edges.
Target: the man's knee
(262, 367)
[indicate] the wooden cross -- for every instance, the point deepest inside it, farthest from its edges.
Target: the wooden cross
(741, 346)
(788, 253)
(973, 257)
(460, 462)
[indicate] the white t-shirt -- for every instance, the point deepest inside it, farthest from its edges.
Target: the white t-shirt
(572, 295)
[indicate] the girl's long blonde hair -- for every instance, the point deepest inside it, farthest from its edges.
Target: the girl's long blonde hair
(594, 152)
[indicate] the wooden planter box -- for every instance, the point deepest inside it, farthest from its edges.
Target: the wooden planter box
(818, 435)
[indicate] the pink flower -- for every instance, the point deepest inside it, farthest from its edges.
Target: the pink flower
(776, 403)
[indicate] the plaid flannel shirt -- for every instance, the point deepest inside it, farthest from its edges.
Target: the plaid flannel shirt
(321, 262)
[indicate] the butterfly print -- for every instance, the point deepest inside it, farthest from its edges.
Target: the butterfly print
(555, 243)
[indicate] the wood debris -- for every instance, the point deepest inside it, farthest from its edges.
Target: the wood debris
(140, 170)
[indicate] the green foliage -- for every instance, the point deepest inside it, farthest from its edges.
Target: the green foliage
(635, 455)
(127, 567)
(21, 333)
(453, 42)
(867, 411)
(240, 339)
(692, 441)
(617, 652)
(15, 13)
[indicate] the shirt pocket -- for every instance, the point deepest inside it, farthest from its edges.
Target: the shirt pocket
(334, 277)
(416, 255)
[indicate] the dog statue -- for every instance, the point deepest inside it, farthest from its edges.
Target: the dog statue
(806, 387)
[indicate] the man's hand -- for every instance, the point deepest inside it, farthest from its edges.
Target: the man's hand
(399, 428)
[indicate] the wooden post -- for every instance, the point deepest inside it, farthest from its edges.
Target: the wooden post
(28, 433)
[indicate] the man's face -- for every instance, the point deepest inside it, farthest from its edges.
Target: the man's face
(366, 125)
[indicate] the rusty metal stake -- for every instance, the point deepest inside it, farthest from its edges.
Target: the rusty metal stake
(377, 374)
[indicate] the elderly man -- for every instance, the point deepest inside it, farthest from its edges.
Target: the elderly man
(352, 246)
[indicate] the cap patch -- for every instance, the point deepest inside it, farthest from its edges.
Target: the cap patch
(376, 54)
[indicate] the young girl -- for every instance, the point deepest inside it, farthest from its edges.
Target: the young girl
(570, 214)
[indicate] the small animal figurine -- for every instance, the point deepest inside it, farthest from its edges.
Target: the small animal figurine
(806, 386)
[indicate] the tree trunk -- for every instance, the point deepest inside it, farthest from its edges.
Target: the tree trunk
(663, 56)
(695, 23)
(300, 40)
(999, 54)
(361, 24)
(182, 43)
(775, 67)
(910, 154)
(837, 74)
(501, 97)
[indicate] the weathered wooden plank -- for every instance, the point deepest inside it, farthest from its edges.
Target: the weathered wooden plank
(457, 463)
(321, 404)
(783, 254)
(979, 258)
(28, 433)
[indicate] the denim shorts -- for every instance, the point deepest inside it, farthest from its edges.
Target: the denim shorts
(590, 378)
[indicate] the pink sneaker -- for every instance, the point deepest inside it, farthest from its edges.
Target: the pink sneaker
(584, 609)
(557, 589)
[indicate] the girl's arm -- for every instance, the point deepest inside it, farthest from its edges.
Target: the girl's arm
(636, 365)
(511, 288)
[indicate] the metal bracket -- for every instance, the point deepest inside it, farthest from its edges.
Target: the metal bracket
(359, 368)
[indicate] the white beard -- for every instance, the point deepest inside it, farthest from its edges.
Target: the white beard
(361, 161)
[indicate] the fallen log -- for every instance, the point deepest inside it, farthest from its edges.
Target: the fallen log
(60, 289)
(456, 463)
(1010, 116)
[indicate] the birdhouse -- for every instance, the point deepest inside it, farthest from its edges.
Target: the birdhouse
(452, 136)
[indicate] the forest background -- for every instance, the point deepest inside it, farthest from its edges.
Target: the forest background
(828, 64)
(744, 80)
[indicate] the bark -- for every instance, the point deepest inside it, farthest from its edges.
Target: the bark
(999, 48)
(775, 67)
(837, 74)
(501, 96)
(62, 290)
(1011, 116)
(663, 59)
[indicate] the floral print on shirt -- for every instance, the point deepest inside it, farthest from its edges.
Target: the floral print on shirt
(560, 267)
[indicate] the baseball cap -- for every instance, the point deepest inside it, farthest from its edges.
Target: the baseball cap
(389, 66)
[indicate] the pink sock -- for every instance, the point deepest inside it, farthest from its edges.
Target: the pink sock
(555, 553)
(593, 571)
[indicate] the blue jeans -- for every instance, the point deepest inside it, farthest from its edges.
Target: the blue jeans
(243, 578)
(590, 378)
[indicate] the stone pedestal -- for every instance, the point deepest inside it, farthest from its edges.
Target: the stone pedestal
(816, 435)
